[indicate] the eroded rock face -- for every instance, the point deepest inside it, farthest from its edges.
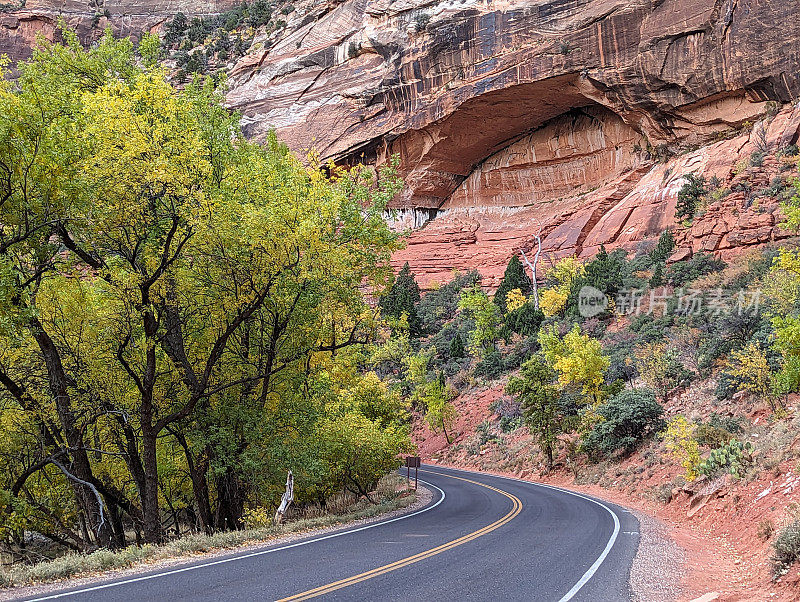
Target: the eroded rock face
(575, 152)
(89, 18)
(447, 84)
(517, 117)
(513, 117)
(631, 210)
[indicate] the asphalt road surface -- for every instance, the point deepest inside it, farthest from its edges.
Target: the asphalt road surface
(481, 538)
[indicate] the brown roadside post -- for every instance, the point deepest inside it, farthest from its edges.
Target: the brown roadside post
(412, 462)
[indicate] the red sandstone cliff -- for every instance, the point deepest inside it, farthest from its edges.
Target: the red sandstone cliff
(89, 18)
(579, 117)
(511, 116)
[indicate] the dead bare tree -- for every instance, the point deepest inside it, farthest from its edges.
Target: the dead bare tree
(532, 266)
(286, 499)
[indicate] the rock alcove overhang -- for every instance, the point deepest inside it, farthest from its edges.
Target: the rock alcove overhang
(510, 147)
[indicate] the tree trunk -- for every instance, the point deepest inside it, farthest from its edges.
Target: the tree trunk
(446, 436)
(80, 465)
(150, 510)
(230, 502)
(116, 524)
(197, 474)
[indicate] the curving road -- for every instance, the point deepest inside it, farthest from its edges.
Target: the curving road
(482, 537)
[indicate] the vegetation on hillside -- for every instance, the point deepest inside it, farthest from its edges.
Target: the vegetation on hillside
(593, 380)
(203, 44)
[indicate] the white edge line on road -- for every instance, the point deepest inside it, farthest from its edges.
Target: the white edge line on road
(600, 559)
(243, 556)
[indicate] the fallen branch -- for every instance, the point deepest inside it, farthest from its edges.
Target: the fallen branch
(72, 477)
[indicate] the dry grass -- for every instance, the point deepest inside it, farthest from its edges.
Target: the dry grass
(72, 565)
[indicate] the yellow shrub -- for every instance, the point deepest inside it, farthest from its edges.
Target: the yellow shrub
(257, 518)
(684, 447)
(553, 301)
(514, 299)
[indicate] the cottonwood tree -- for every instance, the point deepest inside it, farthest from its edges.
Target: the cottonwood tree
(543, 404)
(160, 274)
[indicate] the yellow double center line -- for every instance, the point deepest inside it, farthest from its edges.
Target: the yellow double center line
(381, 570)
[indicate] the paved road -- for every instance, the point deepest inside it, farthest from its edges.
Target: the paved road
(481, 538)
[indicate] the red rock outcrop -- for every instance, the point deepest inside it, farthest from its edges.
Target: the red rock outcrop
(447, 84)
(517, 116)
(634, 207)
(510, 116)
(89, 18)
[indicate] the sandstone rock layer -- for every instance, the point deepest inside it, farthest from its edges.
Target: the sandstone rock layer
(89, 18)
(511, 117)
(574, 118)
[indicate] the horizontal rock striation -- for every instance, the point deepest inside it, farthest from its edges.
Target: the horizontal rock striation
(574, 118)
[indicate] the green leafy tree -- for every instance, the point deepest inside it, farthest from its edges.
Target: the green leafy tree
(441, 414)
(540, 397)
(402, 298)
(791, 208)
(514, 278)
(487, 320)
(168, 291)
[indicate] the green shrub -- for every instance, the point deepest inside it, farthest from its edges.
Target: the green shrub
(457, 348)
(663, 249)
(421, 22)
(690, 195)
(657, 279)
(440, 306)
(649, 329)
(525, 320)
(786, 548)
(521, 352)
(606, 272)
(491, 366)
(485, 433)
(700, 264)
(628, 418)
(711, 436)
(509, 412)
(732, 424)
(787, 379)
(620, 354)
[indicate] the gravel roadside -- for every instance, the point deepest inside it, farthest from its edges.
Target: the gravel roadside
(659, 566)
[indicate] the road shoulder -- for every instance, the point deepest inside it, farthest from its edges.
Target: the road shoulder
(424, 498)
